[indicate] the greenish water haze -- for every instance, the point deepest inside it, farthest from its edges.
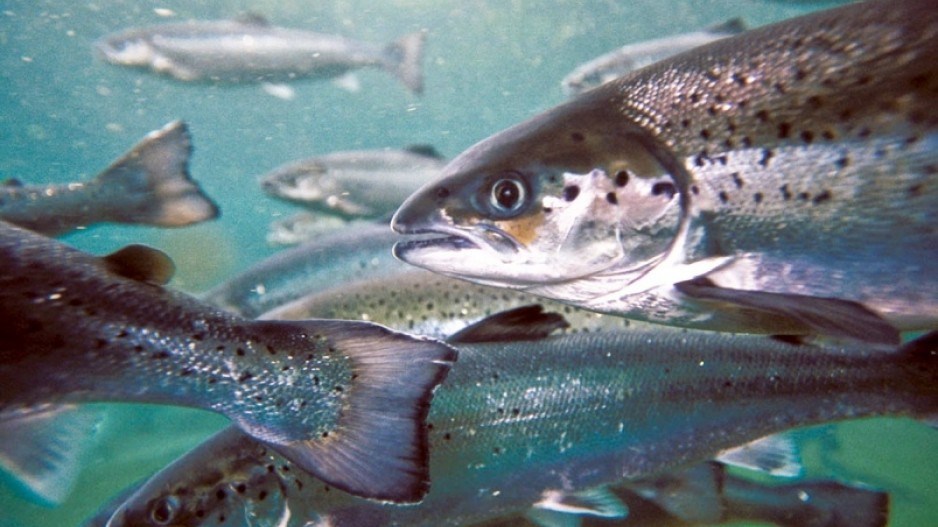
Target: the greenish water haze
(65, 115)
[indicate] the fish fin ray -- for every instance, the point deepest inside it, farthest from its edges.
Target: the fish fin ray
(597, 501)
(43, 448)
(549, 518)
(141, 263)
(379, 448)
(824, 316)
(693, 494)
(777, 455)
(403, 59)
(154, 178)
(521, 323)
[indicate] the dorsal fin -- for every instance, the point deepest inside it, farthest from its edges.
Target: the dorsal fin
(521, 323)
(11, 182)
(141, 263)
(424, 150)
(251, 18)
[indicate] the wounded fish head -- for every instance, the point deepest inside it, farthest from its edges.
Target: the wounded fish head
(566, 196)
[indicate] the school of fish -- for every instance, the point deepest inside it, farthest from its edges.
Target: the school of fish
(595, 317)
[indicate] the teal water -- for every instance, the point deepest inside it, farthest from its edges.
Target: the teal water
(64, 116)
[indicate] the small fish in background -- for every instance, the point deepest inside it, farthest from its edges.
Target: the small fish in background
(519, 428)
(303, 227)
(148, 185)
(357, 183)
(346, 400)
(356, 251)
(631, 57)
(781, 181)
(250, 50)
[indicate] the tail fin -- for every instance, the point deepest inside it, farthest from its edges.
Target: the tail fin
(154, 177)
(403, 59)
(379, 447)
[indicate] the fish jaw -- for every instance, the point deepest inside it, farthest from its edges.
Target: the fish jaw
(568, 195)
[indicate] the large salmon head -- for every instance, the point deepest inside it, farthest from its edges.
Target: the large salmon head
(569, 194)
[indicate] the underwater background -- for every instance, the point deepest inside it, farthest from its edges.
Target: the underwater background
(64, 116)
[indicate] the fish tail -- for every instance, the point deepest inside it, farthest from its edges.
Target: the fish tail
(378, 448)
(154, 184)
(403, 59)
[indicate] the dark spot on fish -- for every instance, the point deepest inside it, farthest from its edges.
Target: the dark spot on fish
(739, 79)
(731, 127)
(695, 190)
(185, 372)
(220, 494)
(727, 384)
(804, 196)
(219, 348)
(495, 376)
(784, 130)
(723, 197)
(246, 376)
(685, 123)
(221, 518)
(138, 348)
(864, 80)
(695, 97)
(622, 178)
(663, 188)
(271, 350)
(497, 451)
(199, 513)
(800, 74)
(570, 193)
(930, 169)
(447, 436)
(611, 198)
(766, 156)
(547, 210)
(825, 195)
(499, 410)
(160, 355)
(786, 194)
(212, 380)
(241, 488)
(828, 135)
(712, 110)
(779, 88)
(845, 115)
(123, 334)
(918, 82)
(916, 190)
(762, 116)
(864, 133)
(843, 162)
(515, 412)
(757, 197)
(100, 343)
(442, 193)
(75, 302)
(577, 136)
(240, 352)
(728, 143)
(429, 426)
(198, 336)
(667, 370)
(807, 136)
(738, 181)
(705, 134)
(338, 389)
(258, 398)
(325, 434)
(814, 102)
(747, 142)
(299, 484)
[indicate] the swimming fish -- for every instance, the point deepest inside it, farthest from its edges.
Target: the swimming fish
(148, 185)
(356, 183)
(345, 400)
(250, 50)
(424, 303)
(781, 181)
(631, 57)
(520, 427)
(355, 251)
(302, 227)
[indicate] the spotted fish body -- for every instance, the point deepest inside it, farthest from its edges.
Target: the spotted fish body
(79, 328)
(519, 425)
(784, 180)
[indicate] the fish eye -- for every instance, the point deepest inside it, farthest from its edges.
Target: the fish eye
(507, 195)
(163, 510)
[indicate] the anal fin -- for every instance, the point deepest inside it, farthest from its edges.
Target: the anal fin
(832, 317)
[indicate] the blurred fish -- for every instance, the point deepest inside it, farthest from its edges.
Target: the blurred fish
(519, 426)
(356, 183)
(302, 227)
(424, 303)
(631, 57)
(345, 400)
(149, 185)
(782, 181)
(355, 251)
(249, 49)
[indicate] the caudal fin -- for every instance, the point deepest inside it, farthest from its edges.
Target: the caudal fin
(151, 184)
(403, 59)
(378, 448)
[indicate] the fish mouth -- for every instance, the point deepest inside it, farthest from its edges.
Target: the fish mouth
(448, 239)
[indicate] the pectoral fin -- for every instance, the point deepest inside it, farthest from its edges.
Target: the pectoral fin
(824, 316)
(776, 455)
(598, 501)
(520, 323)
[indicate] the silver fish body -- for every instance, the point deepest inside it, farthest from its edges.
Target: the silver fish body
(148, 185)
(635, 56)
(250, 50)
(520, 425)
(782, 181)
(356, 251)
(355, 183)
(79, 328)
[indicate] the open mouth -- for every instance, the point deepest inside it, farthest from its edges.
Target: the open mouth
(486, 238)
